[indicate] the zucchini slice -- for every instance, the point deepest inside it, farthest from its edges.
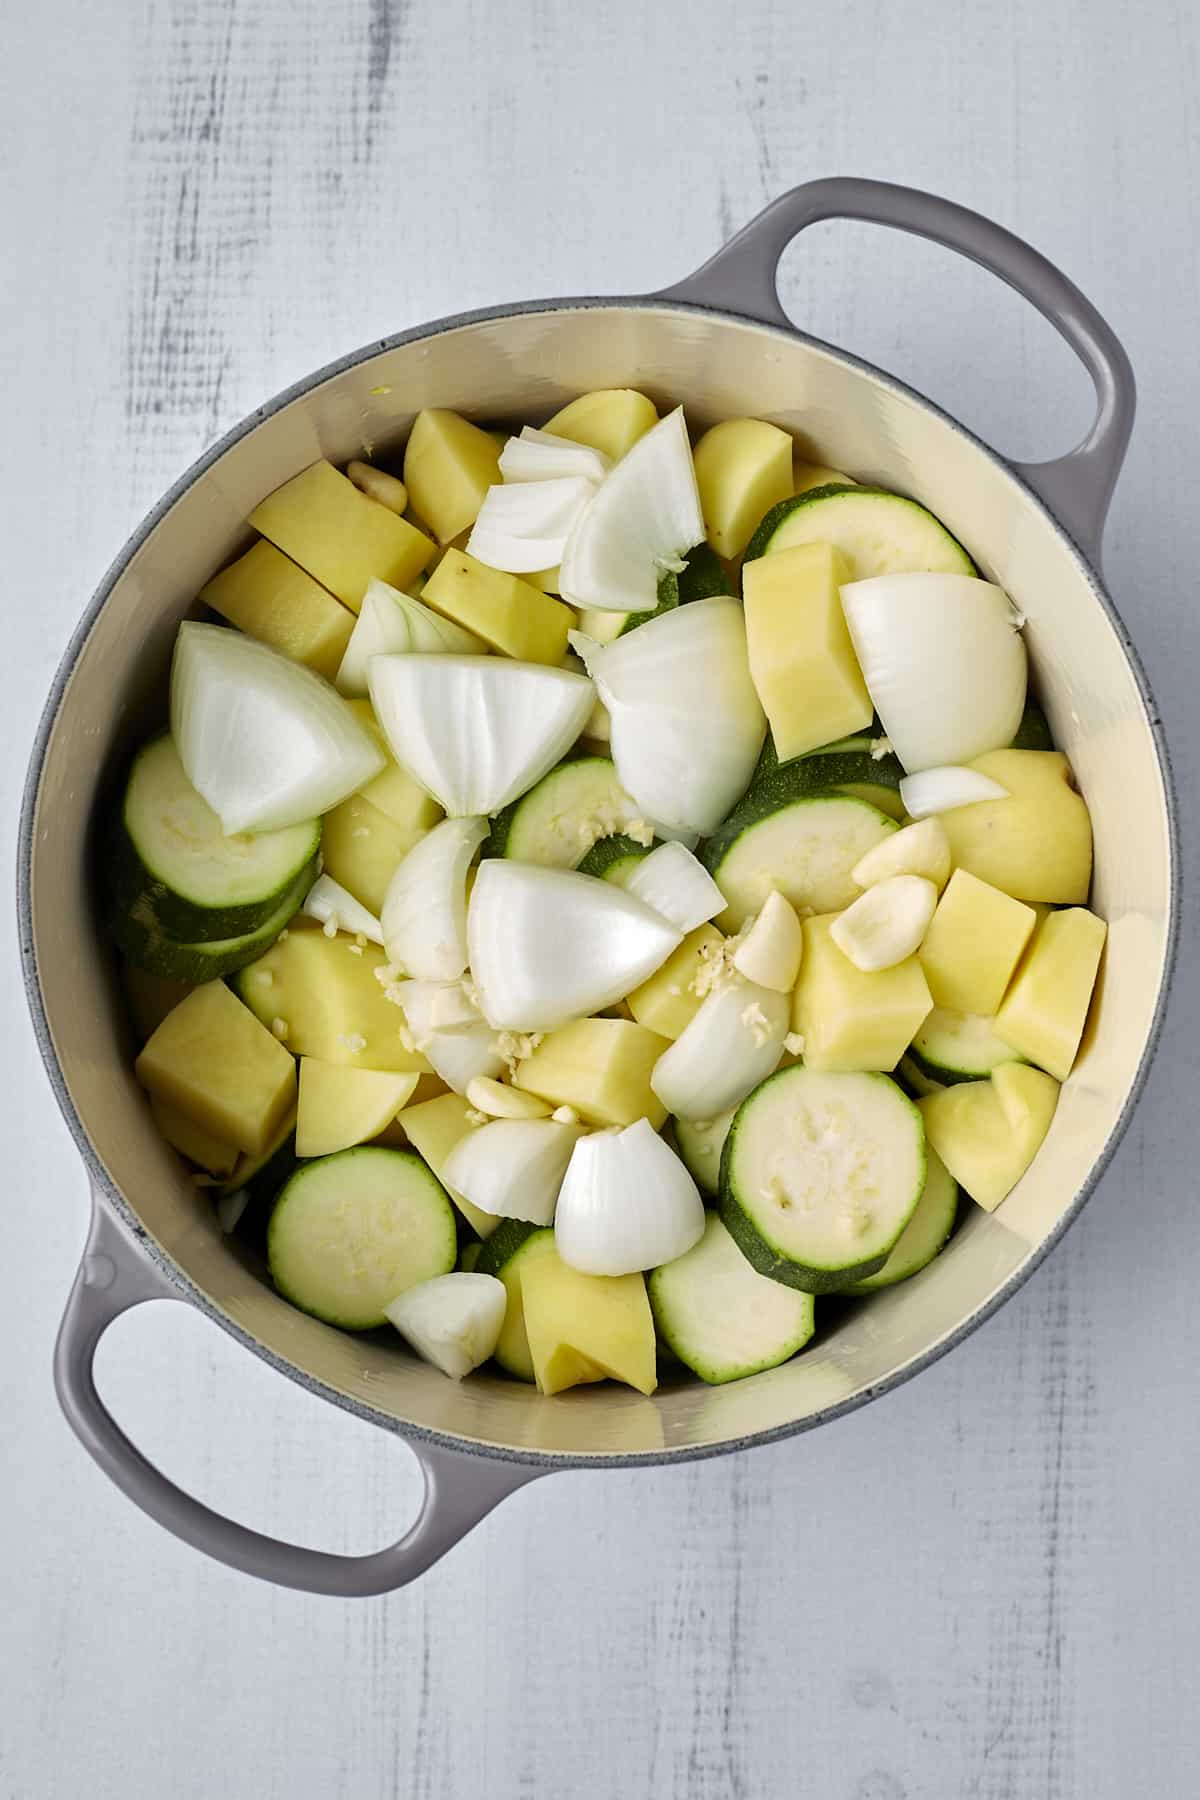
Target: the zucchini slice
(575, 806)
(881, 533)
(352, 1231)
(912, 1078)
(804, 847)
(147, 947)
(820, 1175)
(613, 858)
(925, 1234)
(720, 1316)
(850, 766)
(502, 1255)
(171, 867)
(702, 578)
(955, 1046)
(700, 1143)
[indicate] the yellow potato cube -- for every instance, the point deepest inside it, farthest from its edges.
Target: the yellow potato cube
(806, 476)
(743, 469)
(611, 420)
(393, 791)
(362, 847)
(601, 1067)
(343, 539)
(801, 659)
(586, 1327)
(988, 1132)
(449, 466)
(505, 611)
(973, 944)
(193, 1140)
(339, 1105)
(1046, 1008)
(1037, 843)
(393, 1136)
(267, 595)
(214, 1061)
(666, 1000)
(327, 1002)
(849, 1020)
(433, 1128)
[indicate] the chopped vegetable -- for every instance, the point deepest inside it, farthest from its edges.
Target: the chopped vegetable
(424, 921)
(769, 951)
(919, 849)
(330, 904)
(549, 945)
(476, 731)
(394, 623)
(944, 662)
(627, 1204)
(264, 740)
(672, 883)
(642, 519)
(733, 1043)
(513, 1168)
(686, 723)
(343, 539)
(887, 923)
(453, 1320)
(940, 790)
(488, 1053)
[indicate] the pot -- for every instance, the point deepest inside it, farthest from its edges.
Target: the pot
(720, 342)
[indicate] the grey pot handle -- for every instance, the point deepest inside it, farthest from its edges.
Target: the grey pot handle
(741, 278)
(460, 1489)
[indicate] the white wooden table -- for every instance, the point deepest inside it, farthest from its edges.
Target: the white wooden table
(988, 1584)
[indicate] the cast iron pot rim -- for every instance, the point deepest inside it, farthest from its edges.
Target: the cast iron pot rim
(179, 1279)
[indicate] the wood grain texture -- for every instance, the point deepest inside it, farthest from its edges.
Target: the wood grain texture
(986, 1585)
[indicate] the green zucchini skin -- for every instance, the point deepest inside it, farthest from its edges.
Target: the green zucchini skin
(504, 1243)
(761, 542)
(769, 1262)
(926, 1234)
(945, 1063)
(610, 854)
(774, 785)
(833, 829)
(768, 1325)
(148, 948)
(350, 1231)
(531, 828)
(737, 1214)
(702, 579)
(770, 522)
(145, 891)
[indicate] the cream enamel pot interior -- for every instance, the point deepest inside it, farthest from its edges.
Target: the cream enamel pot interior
(720, 343)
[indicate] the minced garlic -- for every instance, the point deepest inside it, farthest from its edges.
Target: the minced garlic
(756, 1022)
(512, 1047)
